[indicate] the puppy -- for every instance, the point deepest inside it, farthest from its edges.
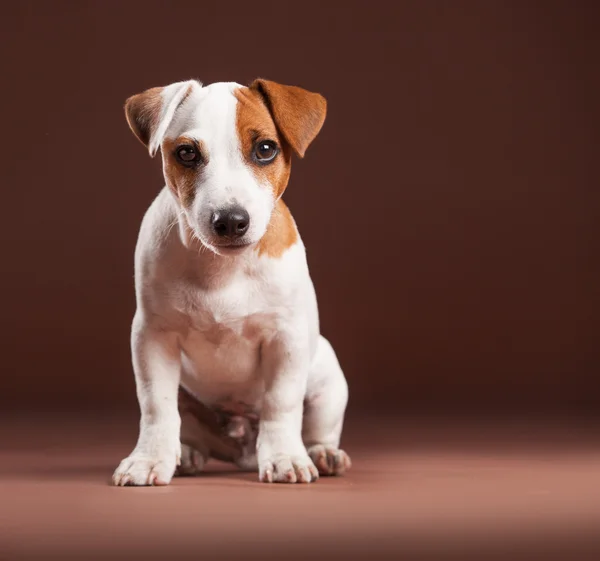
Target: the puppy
(225, 304)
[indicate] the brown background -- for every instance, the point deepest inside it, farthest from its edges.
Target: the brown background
(449, 206)
(450, 210)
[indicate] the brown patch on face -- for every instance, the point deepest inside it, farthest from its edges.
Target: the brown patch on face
(182, 180)
(298, 113)
(281, 232)
(142, 112)
(254, 124)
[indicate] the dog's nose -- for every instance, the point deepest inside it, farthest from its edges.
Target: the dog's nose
(231, 223)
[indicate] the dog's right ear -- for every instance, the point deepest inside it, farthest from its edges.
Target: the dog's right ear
(298, 113)
(150, 113)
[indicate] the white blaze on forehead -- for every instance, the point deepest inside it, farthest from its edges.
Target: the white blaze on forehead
(209, 115)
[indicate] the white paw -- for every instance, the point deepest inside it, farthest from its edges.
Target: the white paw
(192, 461)
(139, 469)
(329, 461)
(287, 469)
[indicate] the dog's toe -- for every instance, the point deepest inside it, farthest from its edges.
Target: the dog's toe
(288, 469)
(329, 461)
(141, 471)
(192, 461)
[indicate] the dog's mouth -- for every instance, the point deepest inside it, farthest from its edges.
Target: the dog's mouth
(232, 247)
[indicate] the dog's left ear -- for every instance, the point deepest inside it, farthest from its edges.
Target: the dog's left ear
(150, 113)
(298, 113)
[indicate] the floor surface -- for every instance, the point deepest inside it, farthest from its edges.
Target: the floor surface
(435, 489)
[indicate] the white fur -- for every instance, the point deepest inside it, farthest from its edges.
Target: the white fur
(172, 96)
(229, 327)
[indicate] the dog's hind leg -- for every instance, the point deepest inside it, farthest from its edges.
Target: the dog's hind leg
(192, 461)
(202, 436)
(324, 408)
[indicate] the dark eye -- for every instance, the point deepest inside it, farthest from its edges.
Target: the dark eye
(187, 155)
(265, 151)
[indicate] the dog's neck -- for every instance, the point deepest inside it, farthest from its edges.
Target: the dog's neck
(207, 268)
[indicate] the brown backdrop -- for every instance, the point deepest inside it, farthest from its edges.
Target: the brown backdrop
(449, 206)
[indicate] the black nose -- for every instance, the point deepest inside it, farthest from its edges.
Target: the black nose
(231, 222)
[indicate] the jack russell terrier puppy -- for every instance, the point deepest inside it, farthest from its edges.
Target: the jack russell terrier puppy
(226, 308)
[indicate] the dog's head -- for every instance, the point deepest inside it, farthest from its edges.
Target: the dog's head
(226, 151)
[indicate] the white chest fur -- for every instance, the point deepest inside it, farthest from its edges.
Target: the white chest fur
(221, 350)
(227, 323)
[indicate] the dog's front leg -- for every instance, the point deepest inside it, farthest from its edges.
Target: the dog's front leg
(282, 456)
(156, 363)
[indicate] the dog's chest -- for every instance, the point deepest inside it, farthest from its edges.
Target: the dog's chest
(241, 307)
(221, 347)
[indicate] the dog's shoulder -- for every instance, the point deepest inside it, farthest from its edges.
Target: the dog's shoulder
(158, 221)
(158, 238)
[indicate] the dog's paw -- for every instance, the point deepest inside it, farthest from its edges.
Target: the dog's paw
(139, 469)
(192, 461)
(287, 469)
(329, 461)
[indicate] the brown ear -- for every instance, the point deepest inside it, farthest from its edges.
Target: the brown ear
(150, 113)
(142, 112)
(298, 113)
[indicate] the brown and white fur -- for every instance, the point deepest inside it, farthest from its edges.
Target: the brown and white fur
(230, 315)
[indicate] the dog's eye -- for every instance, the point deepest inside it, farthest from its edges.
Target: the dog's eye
(187, 154)
(265, 151)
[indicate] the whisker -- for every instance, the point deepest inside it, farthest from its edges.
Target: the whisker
(201, 246)
(170, 226)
